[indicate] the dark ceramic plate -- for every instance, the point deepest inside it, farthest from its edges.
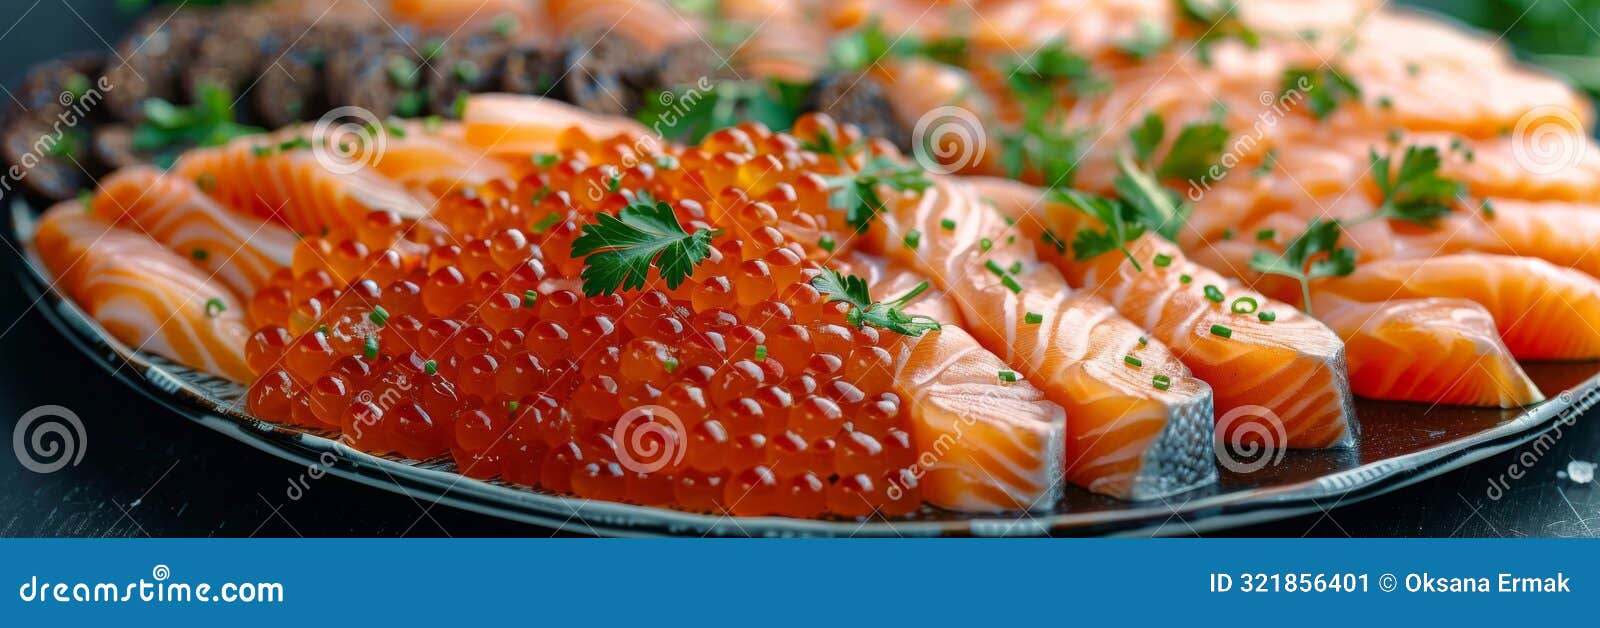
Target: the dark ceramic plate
(1399, 444)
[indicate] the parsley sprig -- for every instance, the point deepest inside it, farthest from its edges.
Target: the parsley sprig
(855, 192)
(618, 251)
(859, 49)
(888, 315)
(688, 114)
(1216, 20)
(168, 129)
(1037, 83)
(1416, 192)
(1197, 148)
(1312, 255)
(1324, 88)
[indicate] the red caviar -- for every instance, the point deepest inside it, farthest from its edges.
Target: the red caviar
(468, 336)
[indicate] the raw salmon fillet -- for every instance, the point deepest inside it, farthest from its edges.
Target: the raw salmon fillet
(143, 294)
(1292, 367)
(1543, 312)
(298, 186)
(1444, 351)
(991, 445)
(240, 250)
(1127, 436)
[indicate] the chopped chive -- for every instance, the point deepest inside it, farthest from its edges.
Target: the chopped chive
(529, 298)
(1245, 305)
(546, 223)
(1267, 317)
(430, 367)
(513, 405)
(200, 254)
(322, 329)
(1221, 330)
(1488, 209)
(985, 244)
(913, 239)
(1143, 341)
(1266, 234)
(761, 352)
(994, 268)
(1033, 318)
(1016, 267)
(379, 316)
(260, 151)
(215, 307)
(1008, 376)
(667, 162)
(206, 182)
(1214, 293)
(1227, 234)
(1163, 260)
(1185, 279)
(432, 124)
(1011, 284)
(546, 160)
(1161, 382)
(1010, 220)
(370, 349)
(670, 364)
(826, 243)
(1011, 239)
(543, 191)
(948, 224)
(1133, 361)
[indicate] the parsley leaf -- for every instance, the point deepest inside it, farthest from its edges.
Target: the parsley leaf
(1416, 192)
(1300, 259)
(1147, 136)
(688, 114)
(617, 251)
(1216, 20)
(888, 315)
(856, 193)
(1118, 217)
(1324, 88)
(1196, 149)
(1154, 206)
(169, 128)
(860, 49)
(1147, 41)
(1038, 82)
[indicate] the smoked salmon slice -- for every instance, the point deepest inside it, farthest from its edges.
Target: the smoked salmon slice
(1139, 425)
(1432, 350)
(146, 296)
(434, 157)
(1564, 234)
(991, 445)
(240, 250)
(308, 189)
(1543, 311)
(1284, 378)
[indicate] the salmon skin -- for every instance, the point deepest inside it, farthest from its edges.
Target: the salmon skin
(241, 250)
(1285, 378)
(1135, 432)
(143, 294)
(987, 445)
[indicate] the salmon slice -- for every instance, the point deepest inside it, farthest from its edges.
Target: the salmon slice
(426, 157)
(1429, 350)
(521, 126)
(1543, 311)
(1128, 435)
(143, 294)
(992, 445)
(307, 189)
(240, 250)
(1564, 234)
(1285, 378)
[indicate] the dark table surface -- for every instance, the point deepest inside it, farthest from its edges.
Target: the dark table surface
(147, 472)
